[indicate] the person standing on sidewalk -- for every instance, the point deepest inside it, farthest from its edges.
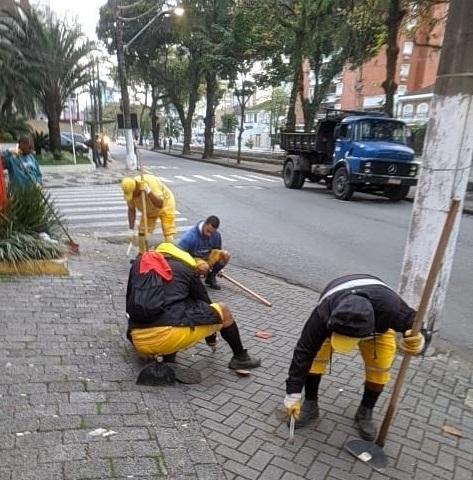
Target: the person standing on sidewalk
(353, 310)
(170, 143)
(160, 205)
(183, 312)
(22, 165)
(204, 242)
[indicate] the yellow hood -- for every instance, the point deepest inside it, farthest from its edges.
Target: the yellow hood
(171, 250)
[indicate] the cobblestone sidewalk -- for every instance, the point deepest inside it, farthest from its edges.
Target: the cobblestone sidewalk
(66, 371)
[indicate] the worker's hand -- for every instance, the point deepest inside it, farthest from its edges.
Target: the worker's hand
(412, 344)
(202, 268)
(131, 236)
(292, 402)
(142, 186)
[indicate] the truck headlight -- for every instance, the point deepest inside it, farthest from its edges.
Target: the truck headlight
(367, 167)
(413, 171)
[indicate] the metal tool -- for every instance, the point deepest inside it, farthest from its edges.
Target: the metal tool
(292, 427)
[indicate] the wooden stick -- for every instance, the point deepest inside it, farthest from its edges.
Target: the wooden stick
(421, 311)
(246, 289)
(143, 203)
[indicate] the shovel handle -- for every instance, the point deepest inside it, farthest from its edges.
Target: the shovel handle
(421, 311)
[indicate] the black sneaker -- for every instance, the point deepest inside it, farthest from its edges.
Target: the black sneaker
(211, 281)
(243, 362)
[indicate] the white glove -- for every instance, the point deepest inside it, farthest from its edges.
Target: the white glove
(147, 190)
(292, 402)
(131, 235)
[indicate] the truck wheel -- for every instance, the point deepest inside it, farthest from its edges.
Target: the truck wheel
(341, 187)
(396, 193)
(292, 178)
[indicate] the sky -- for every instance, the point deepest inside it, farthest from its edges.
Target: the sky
(86, 12)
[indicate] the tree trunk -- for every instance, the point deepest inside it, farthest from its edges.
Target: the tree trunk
(212, 87)
(240, 128)
(187, 126)
(53, 111)
(155, 126)
(393, 22)
(291, 111)
(142, 114)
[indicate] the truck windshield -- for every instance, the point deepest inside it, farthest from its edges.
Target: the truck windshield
(385, 130)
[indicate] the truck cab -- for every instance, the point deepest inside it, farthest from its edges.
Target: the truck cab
(352, 151)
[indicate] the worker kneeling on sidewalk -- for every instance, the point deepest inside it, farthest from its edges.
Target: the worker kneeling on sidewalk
(353, 310)
(169, 309)
(160, 204)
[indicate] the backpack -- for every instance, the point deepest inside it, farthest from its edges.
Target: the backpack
(144, 295)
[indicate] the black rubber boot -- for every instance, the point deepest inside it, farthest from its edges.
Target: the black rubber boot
(211, 281)
(243, 361)
(171, 358)
(309, 412)
(364, 423)
(211, 341)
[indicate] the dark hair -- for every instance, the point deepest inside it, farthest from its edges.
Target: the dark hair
(213, 220)
(25, 138)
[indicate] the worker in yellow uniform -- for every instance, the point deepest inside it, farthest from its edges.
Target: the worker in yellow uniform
(160, 204)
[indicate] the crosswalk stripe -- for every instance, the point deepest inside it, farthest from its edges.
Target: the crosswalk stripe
(73, 218)
(204, 178)
(121, 208)
(245, 178)
(112, 224)
(266, 179)
(185, 179)
(165, 180)
(125, 233)
(223, 177)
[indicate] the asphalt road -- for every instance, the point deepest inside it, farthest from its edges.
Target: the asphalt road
(307, 237)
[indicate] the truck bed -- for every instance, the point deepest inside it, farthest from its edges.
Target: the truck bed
(299, 142)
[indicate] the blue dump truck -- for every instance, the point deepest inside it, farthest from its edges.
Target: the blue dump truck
(352, 151)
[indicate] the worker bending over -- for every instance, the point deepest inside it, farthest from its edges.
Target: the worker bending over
(353, 310)
(160, 204)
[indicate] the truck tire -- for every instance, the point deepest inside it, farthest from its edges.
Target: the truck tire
(292, 178)
(341, 187)
(396, 193)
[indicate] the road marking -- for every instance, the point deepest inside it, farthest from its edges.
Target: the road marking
(204, 178)
(72, 218)
(165, 180)
(185, 179)
(126, 233)
(266, 179)
(224, 178)
(244, 178)
(121, 208)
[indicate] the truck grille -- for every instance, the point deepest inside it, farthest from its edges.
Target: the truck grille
(390, 168)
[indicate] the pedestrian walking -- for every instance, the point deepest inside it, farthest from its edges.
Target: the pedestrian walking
(170, 143)
(353, 311)
(164, 144)
(160, 205)
(204, 242)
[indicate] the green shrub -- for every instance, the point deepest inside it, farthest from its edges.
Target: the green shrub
(25, 217)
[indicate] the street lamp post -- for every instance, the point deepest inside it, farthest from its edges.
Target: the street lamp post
(131, 160)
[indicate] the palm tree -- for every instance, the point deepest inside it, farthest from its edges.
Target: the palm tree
(51, 56)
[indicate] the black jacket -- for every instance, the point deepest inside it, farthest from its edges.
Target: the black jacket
(389, 309)
(186, 302)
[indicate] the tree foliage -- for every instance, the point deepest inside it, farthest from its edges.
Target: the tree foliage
(51, 57)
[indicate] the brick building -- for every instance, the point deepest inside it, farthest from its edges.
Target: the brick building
(418, 60)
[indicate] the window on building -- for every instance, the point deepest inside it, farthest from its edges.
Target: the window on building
(401, 89)
(339, 89)
(407, 110)
(408, 48)
(422, 110)
(404, 70)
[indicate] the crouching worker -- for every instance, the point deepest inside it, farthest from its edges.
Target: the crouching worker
(169, 309)
(353, 311)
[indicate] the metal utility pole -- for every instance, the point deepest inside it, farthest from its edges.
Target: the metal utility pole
(130, 150)
(446, 161)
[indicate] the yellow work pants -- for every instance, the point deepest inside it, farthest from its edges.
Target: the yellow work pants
(168, 226)
(167, 340)
(377, 367)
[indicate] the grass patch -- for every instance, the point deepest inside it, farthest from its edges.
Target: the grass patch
(62, 158)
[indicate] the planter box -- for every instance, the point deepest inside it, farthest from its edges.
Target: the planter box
(35, 267)
(83, 167)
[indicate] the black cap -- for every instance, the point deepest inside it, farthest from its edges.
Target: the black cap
(353, 317)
